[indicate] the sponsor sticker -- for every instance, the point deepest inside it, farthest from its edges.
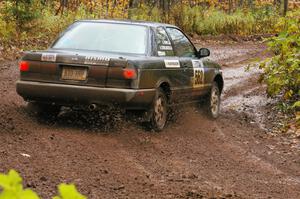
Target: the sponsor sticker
(165, 48)
(172, 64)
(166, 42)
(95, 60)
(161, 53)
(50, 57)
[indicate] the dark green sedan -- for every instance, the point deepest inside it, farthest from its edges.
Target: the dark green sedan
(132, 65)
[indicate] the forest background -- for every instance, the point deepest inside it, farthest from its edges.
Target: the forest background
(33, 24)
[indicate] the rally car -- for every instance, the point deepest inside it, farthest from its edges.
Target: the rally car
(134, 65)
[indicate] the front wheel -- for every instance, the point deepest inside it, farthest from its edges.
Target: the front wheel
(214, 101)
(159, 111)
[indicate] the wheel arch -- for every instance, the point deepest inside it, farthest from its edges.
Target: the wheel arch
(166, 87)
(219, 80)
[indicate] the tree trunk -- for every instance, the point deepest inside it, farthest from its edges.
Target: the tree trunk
(240, 3)
(285, 7)
(250, 4)
(63, 4)
(107, 9)
(230, 6)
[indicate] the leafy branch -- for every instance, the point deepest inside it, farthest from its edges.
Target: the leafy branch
(12, 188)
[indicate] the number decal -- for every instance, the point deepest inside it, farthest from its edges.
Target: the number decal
(198, 77)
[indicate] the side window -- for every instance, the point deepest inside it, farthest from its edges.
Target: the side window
(163, 44)
(183, 47)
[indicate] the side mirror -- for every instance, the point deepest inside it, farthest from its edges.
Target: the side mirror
(203, 52)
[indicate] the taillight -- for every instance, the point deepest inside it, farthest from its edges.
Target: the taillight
(24, 66)
(129, 73)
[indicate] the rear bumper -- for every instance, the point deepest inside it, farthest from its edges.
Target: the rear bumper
(72, 94)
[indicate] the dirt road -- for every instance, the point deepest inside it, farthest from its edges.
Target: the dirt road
(234, 156)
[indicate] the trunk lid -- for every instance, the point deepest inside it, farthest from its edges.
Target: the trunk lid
(76, 67)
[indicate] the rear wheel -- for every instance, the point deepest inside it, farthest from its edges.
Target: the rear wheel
(45, 111)
(158, 118)
(214, 101)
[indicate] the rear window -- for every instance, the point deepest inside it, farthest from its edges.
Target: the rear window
(118, 38)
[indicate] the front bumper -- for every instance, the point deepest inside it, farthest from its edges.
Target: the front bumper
(64, 94)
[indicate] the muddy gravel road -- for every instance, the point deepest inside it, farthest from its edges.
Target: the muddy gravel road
(235, 156)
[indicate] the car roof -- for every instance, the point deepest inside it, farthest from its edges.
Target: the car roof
(130, 22)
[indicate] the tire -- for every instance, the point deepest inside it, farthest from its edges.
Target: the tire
(159, 112)
(214, 101)
(44, 111)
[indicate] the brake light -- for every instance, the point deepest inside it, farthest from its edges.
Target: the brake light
(129, 73)
(24, 66)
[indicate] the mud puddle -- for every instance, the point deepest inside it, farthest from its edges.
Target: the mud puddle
(245, 96)
(249, 97)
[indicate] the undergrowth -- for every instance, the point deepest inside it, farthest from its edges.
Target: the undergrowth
(282, 71)
(11, 188)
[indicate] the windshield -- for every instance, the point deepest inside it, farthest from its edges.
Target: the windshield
(106, 37)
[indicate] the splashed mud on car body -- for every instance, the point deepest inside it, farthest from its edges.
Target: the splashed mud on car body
(121, 63)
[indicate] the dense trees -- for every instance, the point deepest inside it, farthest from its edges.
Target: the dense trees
(166, 5)
(21, 19)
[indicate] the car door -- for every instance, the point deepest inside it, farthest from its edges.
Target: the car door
(174, 68)
(194, 69)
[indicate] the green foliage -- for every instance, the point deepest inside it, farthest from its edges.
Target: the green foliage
(7, 30)
(265, 19)
(218, 22)
(282, 71)
(239, 22)
(145, 13)
(22, 12)
(187, 18)
(68, 192)
(296, 104)
(29, 24)
(12, 188)
(203, 21)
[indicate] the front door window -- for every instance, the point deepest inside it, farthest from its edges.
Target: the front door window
(182, 45)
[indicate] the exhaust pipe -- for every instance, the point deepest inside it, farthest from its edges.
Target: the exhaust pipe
(92, 107)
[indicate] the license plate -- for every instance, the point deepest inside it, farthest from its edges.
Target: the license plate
(71, 73)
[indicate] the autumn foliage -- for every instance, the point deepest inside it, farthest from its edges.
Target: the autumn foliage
(33, 24)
